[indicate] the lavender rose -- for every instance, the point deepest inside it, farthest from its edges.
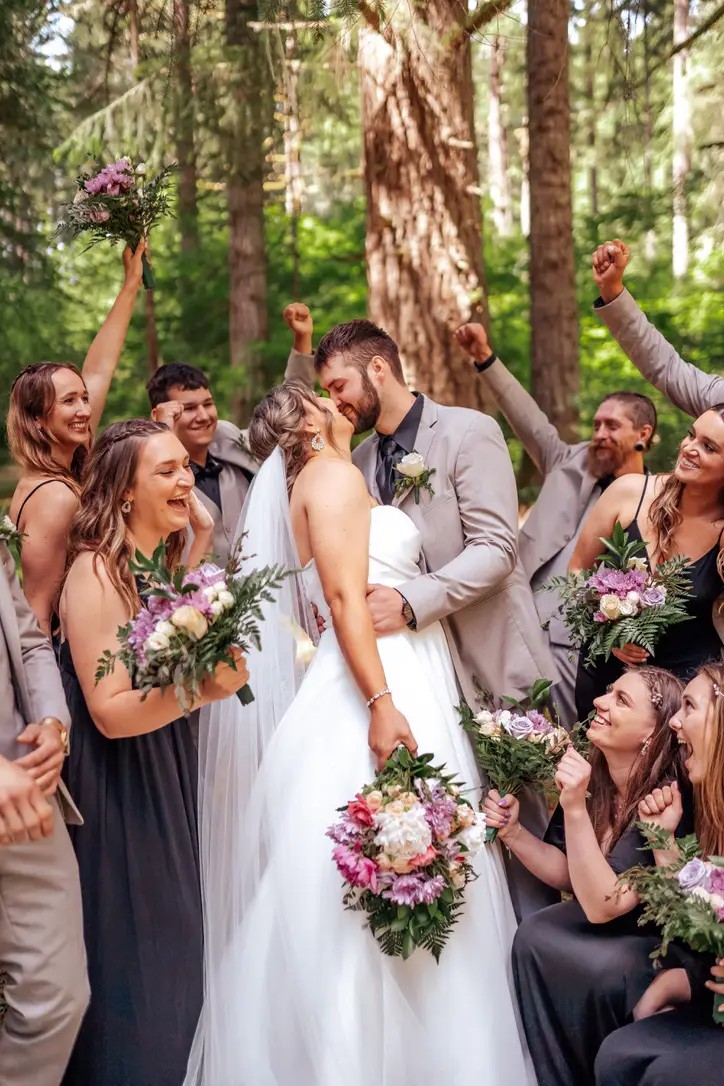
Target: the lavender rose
(519, 727)
(653, 597)
(694, 874)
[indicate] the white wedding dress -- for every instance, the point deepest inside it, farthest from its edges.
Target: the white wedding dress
(305, 995)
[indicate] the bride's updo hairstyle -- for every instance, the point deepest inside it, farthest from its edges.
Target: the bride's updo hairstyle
(280, 419)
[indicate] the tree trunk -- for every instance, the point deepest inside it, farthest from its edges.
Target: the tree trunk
(523, 150)
(424, 242)
(151, 333)
(554, 313)
(650, 237)
(682, 140)
(591, 109)
(498, 165)
(134, 54)
(293, 182)
(250, 123)
(184, 127)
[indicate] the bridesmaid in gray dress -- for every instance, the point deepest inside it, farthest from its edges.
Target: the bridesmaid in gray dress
(133, 767)
(571, 961)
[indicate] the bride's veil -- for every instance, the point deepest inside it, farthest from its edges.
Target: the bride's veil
(232, 741)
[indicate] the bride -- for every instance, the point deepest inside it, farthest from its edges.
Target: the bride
(297, 991)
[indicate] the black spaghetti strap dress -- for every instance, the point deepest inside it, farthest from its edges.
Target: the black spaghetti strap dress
(139, 873)
(682, 649)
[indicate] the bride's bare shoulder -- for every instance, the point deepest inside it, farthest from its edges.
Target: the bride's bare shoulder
(328, 477)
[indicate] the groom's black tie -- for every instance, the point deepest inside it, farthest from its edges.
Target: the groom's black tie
(390, 453)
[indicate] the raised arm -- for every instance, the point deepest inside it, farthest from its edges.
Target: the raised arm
(687, 387)
(105, 350)
(300, 364)
(91, 612)
(530, 425)
(337, 509)
(488, 504)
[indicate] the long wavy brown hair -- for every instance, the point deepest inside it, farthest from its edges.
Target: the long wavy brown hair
(99, 525)
(709, 794)
(665, 514)
(31, 398)
(659, 762)
(279, 420)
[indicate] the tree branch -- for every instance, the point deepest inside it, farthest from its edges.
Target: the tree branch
(682, 45)
(485, 14)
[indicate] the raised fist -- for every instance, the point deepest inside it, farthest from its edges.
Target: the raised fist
(609, 263)
(473, 339)
(299, 319)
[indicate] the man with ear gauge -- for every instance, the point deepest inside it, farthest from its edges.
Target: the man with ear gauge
(574, 476)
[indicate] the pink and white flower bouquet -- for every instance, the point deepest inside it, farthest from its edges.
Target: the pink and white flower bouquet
(403, 847)
(189, 623)
(621, 601)
(516, 744)
(684, 899)
(117, 202)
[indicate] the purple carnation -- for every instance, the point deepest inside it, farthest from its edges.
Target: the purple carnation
(693, 874)
(344, 832)
(439, 812)
(415, 890)
(599, 617)
(112, 180)
(716, 880)
(541, 724)
(617, 581)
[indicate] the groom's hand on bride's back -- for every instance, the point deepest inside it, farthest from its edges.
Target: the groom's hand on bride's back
(388, 730)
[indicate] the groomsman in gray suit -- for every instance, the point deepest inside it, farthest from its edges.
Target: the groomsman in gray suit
(690, 389)
(41, 920)
(574, 477)
(467, 514)
(223, 467)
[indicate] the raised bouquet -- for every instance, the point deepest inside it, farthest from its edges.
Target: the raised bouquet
(621, 601)
(117, 202)
(403, 847)
(189, 622)
(518, 744)
(684, 899)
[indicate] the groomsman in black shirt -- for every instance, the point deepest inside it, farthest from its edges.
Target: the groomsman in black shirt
(219, 458)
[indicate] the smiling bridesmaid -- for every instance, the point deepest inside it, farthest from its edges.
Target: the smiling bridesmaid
(54, 413)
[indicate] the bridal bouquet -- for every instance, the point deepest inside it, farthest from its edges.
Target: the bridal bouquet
(189, 623)
(684, 899)
(403, 847)
(518, 745)
(116, 203)
(620, 601)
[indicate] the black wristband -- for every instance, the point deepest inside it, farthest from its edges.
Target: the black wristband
(481, 367)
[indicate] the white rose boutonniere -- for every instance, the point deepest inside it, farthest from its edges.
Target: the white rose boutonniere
(414, 474)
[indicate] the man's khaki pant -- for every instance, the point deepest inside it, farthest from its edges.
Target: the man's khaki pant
(42, 952)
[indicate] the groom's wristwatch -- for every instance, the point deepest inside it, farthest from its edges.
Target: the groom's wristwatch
(408, 614)
(481, 367)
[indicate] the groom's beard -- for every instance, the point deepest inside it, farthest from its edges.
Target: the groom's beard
(604, 461)
(367, 409)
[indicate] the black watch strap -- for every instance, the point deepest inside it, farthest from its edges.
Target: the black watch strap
(481, 367)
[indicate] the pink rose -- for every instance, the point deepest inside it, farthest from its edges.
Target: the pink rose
(99, 215)
(359, 812)
(424, 858)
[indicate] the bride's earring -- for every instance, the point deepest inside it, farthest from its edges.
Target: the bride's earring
(318, 442)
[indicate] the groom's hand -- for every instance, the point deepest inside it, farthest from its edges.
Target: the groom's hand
(385, 605)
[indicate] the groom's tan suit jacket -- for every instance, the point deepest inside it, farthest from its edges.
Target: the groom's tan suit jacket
(474, 583)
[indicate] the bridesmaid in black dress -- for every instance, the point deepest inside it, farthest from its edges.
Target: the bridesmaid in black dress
(571, 961)
(684, 1044)
(681, 513)
(132, 768)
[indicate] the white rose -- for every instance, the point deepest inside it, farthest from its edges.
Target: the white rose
(473, 837)
(485, 717)
(503, 718)
(156, 642)
(634, 597)
(716, 901)
(610, 606)
(638, 563)
(701, 893)
(165, 628)
(190, 620)
(141, 169)
(225, 598)
(210, 592)
(412, 465)
(216, 607)
(488, 728)
(627, 608)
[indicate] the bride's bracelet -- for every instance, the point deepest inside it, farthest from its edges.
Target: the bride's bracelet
(376, 697)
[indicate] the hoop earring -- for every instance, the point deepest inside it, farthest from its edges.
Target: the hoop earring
(318, 442)
(126, 507)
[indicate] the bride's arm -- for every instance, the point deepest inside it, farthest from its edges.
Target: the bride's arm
(336, 504)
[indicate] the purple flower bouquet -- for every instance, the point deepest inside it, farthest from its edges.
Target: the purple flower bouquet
(684, 899)
(403, 847)
(189, 623)
(117, 203)
(518, 745)
(621, 600)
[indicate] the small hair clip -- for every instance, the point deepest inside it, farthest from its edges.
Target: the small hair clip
(656, 699)
(717, 690)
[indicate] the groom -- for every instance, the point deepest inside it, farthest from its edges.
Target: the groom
(467, 514)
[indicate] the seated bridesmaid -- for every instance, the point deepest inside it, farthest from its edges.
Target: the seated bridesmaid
(132, 767)
(53, 414)
(570, 960)
(684, 1044)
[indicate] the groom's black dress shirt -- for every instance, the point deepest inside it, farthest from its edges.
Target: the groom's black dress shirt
(393, 447)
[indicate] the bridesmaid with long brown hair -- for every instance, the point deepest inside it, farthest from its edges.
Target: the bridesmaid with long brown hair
(680, 513)
(54, 412)
(683, 1044)
(133, 771)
